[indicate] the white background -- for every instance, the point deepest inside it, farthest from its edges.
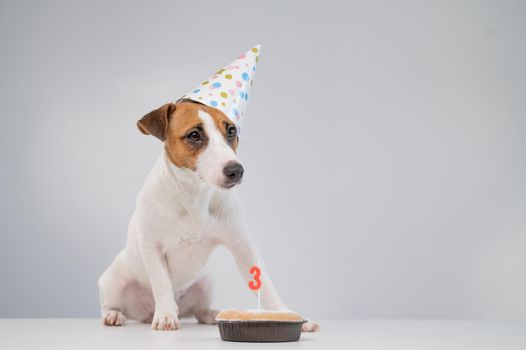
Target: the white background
(384, 148)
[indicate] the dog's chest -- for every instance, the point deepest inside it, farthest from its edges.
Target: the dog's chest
(185, 259)
(189, 245)
(198, 212)
(190, 226)
(187, 215)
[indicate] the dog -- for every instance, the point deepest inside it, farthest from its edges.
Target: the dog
(185, 209)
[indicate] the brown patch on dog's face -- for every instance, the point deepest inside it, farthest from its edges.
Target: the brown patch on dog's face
(180, 126)
(186, 138)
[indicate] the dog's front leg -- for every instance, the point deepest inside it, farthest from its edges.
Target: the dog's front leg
(245, 256)
(166, 309)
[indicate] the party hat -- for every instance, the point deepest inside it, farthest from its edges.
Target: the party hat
(229, 88)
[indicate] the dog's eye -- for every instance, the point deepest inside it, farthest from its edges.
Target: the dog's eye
(231, 131)
(194, 136)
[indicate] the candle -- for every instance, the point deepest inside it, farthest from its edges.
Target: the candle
(255, 271)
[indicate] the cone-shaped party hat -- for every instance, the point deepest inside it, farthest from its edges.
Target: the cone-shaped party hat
(229, 88)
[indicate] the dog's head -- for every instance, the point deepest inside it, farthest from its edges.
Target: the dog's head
(199, 138)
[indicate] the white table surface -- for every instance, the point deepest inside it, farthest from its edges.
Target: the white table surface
(335, 334)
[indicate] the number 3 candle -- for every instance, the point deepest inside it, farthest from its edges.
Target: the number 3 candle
(255, 284)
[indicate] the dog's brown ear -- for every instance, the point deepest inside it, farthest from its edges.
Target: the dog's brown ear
(156, 122)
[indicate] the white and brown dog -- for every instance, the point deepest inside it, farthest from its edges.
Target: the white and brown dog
(184, 210)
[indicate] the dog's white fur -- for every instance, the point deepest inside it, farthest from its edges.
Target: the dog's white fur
(181, 216)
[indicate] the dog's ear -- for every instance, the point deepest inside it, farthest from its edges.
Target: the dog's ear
(156, 122)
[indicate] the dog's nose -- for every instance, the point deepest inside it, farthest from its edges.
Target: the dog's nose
(233, 172)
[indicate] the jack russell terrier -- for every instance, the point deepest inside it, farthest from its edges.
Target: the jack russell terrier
(184, 210)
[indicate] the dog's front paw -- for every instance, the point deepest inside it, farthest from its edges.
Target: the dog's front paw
(310, 327)
(165, 320)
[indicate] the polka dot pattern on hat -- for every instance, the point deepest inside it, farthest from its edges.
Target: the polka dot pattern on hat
(228, 89)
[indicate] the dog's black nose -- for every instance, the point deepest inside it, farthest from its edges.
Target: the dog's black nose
(233, 172)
